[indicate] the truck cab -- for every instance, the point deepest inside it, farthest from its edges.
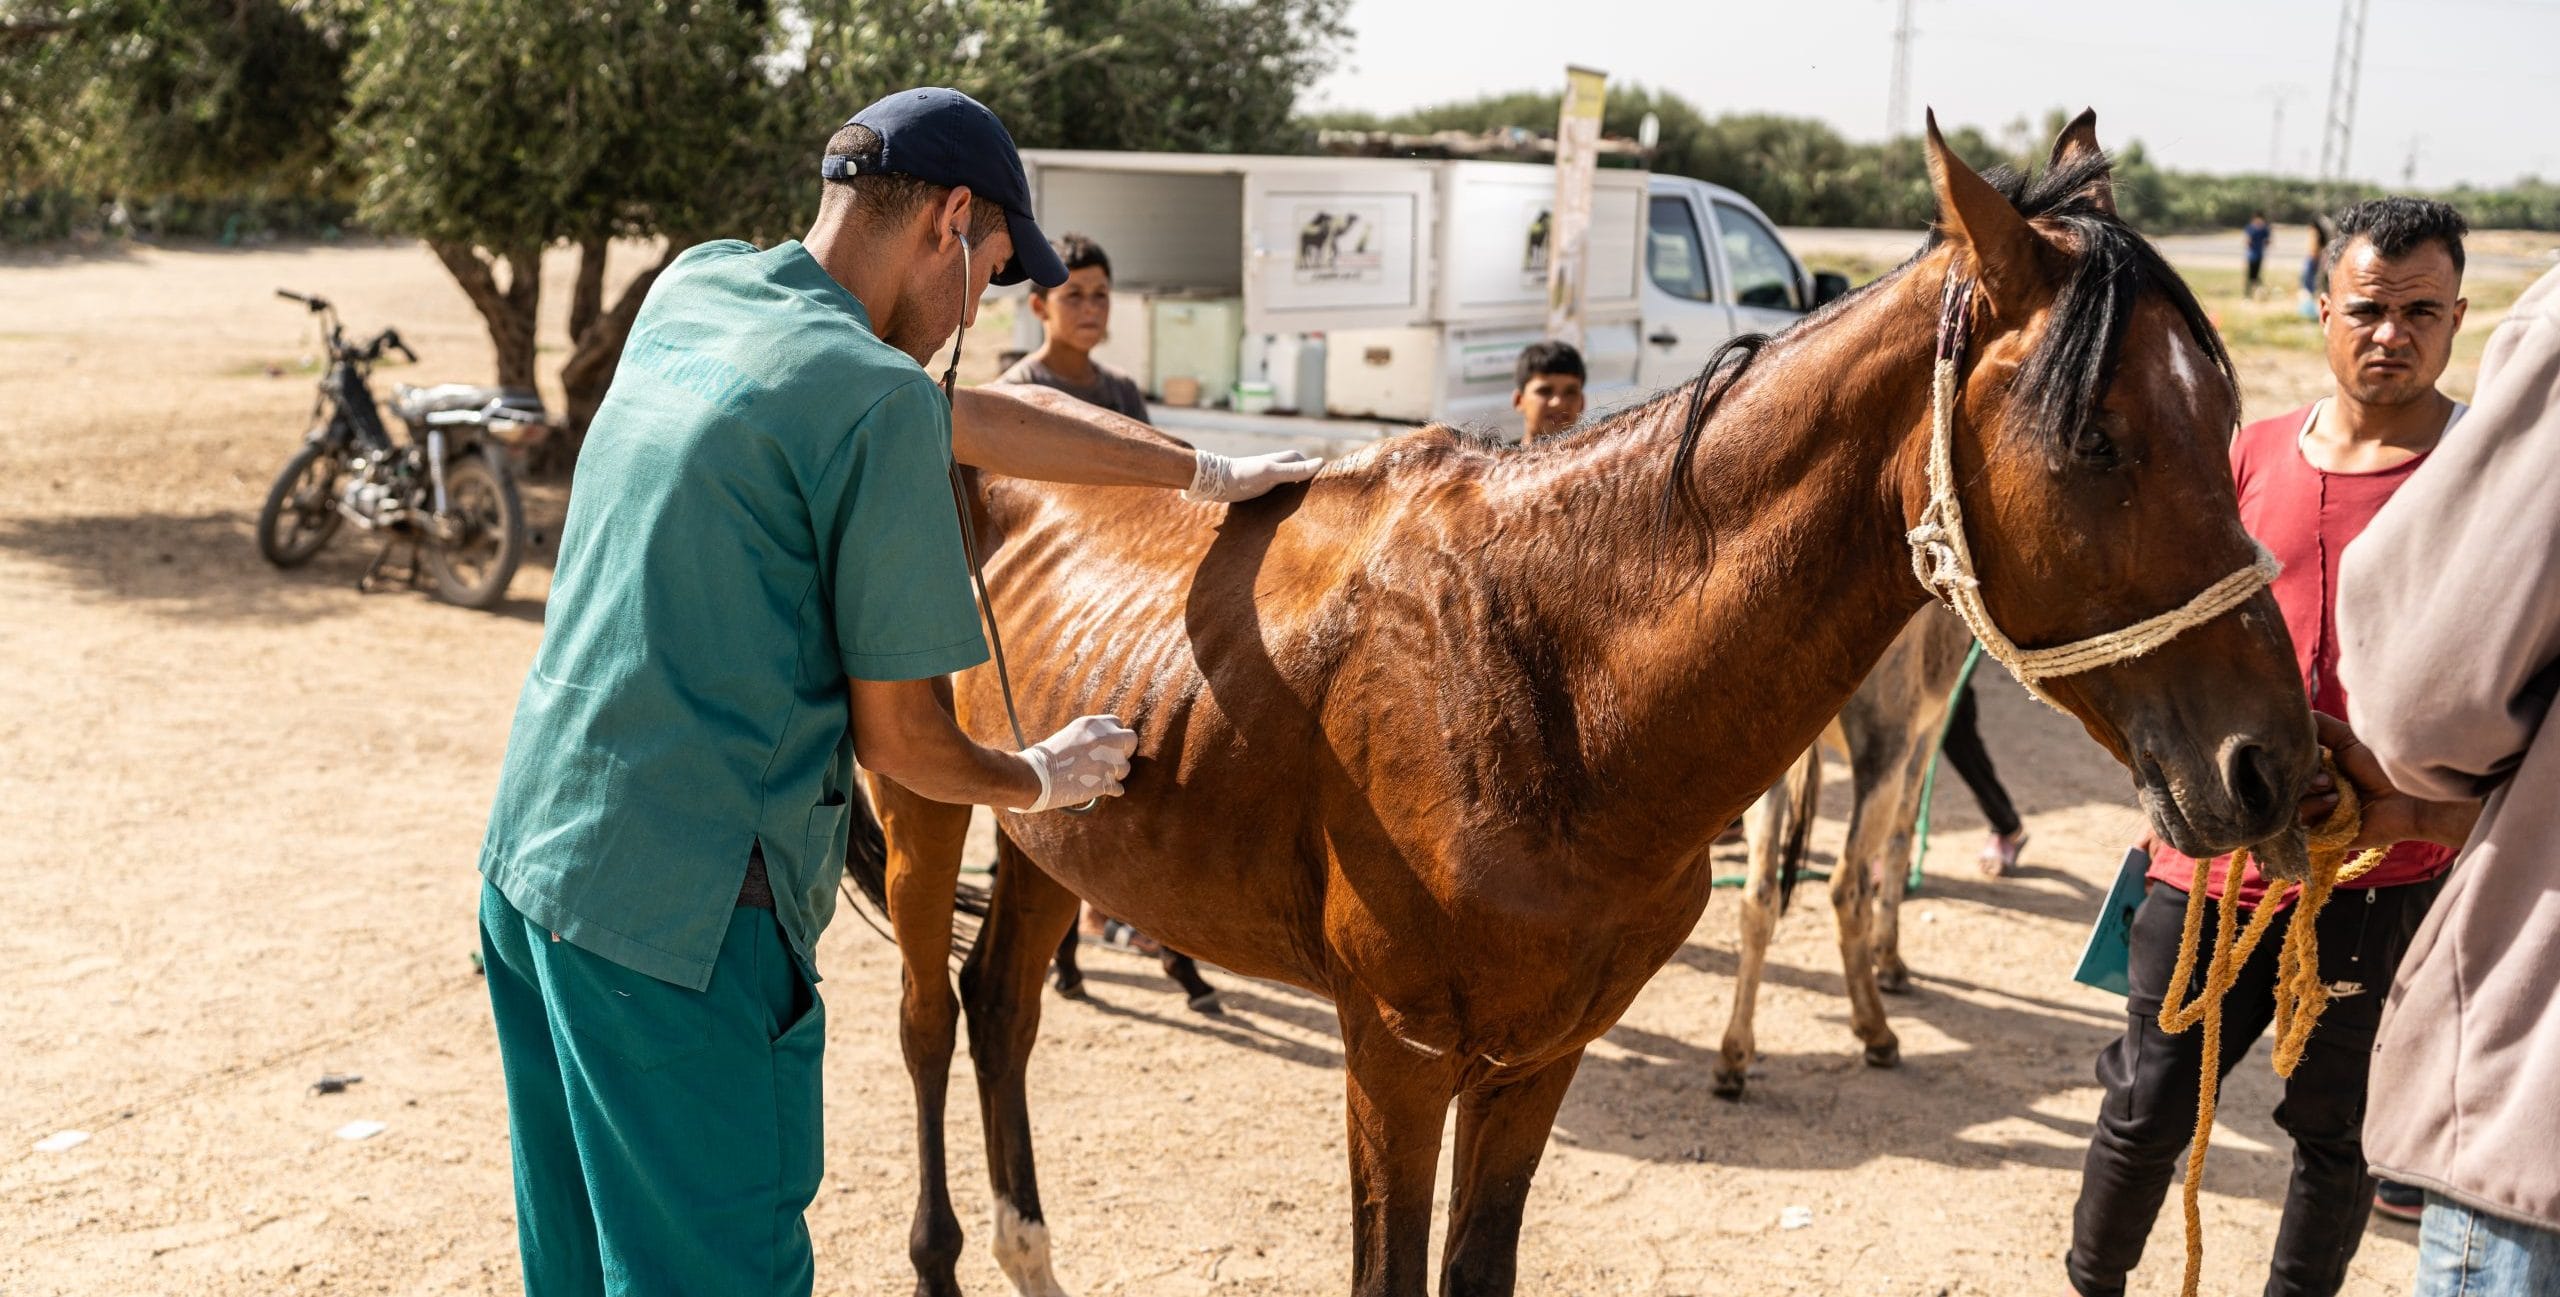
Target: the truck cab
(1714, 267)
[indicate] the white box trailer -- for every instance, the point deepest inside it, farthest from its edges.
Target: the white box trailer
(1422, 278)
(1372, 292)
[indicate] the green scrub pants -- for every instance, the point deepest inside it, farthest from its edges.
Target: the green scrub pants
(665, 1140)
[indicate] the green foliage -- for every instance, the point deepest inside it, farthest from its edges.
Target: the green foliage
(150, 100)
(1803, 172)
(1206, 76)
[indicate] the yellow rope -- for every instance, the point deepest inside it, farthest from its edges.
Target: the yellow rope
(2300, 994)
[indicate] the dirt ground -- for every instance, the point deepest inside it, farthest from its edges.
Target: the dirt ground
(241, 813)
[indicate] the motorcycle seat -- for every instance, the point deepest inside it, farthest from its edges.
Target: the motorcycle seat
(415, 403)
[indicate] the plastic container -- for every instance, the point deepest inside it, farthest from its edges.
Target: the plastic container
(1251, 398)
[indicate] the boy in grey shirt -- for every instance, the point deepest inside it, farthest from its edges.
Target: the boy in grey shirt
(1075, 317)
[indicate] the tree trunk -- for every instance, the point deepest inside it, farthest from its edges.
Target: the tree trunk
(597, 349)
(508, 312)
(586, 299)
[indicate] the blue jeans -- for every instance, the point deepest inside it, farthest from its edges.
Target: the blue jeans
(2466, 1253)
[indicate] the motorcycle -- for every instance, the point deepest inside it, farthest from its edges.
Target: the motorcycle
(445, 491)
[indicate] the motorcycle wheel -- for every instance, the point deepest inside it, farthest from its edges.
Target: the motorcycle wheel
(473, 569)
(301, 512)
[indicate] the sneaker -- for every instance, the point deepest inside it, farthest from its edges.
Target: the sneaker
(2399, 1201)
(1999, 856)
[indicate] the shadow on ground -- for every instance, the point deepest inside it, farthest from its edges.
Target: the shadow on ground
(207, 565)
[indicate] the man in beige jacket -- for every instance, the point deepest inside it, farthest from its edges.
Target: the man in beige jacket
(2449, 617)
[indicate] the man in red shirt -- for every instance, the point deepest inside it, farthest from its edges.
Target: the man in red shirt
(2310, 480)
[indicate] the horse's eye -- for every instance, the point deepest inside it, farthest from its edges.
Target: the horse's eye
(2090, 445)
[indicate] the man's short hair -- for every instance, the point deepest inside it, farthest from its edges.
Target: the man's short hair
(1546, 358)
(2398, 226)
(1078, 252)
(887, 200)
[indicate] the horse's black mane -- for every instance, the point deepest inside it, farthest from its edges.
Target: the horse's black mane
(2060, 385)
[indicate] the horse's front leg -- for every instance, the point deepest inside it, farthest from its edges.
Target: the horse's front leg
(1001, 987)
(1397, 1094)
(925, 839)
(1502, 1132)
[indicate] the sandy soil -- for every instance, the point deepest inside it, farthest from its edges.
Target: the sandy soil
(242, 809)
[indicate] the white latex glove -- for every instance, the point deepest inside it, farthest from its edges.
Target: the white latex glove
(1087, 759)
(1216, 479)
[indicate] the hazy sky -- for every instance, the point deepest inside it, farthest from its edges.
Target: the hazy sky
(2475, 82)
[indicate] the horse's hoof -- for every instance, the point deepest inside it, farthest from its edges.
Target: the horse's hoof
(1894, 981)
(1888, 1054)
(1727, 1085)
(1207, 1002)
(1071, 988)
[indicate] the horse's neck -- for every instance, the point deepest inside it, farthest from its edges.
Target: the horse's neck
(1701, 683)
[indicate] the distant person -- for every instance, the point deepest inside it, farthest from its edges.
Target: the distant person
(1075, 318)
(2309, 482)
(2257, 233)
(1546, 388)
(2450, 611)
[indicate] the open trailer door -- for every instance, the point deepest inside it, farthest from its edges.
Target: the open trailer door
(1331, 246)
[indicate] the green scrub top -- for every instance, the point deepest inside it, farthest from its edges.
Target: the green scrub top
(762, 508)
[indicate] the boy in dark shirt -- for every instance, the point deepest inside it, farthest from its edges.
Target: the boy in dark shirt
(1075, 317)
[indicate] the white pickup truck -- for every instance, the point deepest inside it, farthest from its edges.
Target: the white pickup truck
(1318, 301)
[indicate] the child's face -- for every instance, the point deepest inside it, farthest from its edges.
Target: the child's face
(1548, 404)
(1077, 312)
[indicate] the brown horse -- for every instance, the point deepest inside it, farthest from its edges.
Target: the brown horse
(1445, 735)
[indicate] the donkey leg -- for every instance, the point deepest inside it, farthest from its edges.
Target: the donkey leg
(1893, 869)
(1396, 1097)
(1502, 1132)
(1765, 827)
(1001, 986)
(925, 839)
(1853, 905)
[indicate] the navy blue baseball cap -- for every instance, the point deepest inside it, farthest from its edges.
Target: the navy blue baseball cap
(940, 136)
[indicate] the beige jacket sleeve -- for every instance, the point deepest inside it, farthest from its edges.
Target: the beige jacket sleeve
(2449, 604)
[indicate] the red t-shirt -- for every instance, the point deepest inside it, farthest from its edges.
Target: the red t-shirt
(2306, 517)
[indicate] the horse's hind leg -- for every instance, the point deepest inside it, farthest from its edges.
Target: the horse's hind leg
(1202, 997)
(1768, 826)
(1502, 1131)
(925, 839)
(1001, 986)
(1069, 978)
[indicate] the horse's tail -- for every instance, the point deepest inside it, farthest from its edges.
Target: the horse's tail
(866, 872)
(1803, 800)
(866, 854)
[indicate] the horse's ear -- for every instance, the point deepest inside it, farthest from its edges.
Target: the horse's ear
(2078, 144)
(1979, 217)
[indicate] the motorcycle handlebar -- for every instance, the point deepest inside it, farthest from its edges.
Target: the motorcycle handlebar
(314, 303)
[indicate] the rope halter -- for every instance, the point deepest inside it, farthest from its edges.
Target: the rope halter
(1943, 562)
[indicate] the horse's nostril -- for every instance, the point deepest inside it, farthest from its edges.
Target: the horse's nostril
(2251, 777)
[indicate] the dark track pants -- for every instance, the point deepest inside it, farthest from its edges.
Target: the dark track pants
(1963, 749)
(2151, 1080)
(665, 1140)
